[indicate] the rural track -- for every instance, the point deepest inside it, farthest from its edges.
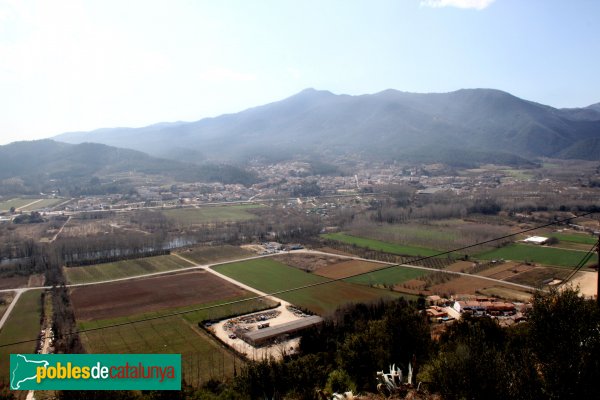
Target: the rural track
(18, 294)
(231, 280)
(208, 268)
(27, 205)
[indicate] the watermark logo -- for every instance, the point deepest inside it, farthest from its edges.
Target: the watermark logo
(95, 371)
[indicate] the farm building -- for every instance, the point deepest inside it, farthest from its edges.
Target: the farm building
(484, 306)
(435, 312)
(536, 240)
(268, 335)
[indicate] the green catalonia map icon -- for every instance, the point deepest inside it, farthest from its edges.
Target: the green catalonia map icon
(23, 369)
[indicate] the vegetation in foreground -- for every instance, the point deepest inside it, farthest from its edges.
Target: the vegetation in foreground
(552, 356)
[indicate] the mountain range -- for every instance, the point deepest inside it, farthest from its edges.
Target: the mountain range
(465, 126)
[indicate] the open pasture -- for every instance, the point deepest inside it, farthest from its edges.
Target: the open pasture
(271, 276)
(208, 214)
(123, 269)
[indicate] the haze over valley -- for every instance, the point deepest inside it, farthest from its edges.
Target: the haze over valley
(305, 200)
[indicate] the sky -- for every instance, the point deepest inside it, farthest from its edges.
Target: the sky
(76, 65)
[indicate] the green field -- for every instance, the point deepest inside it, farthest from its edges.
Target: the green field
(271, 276)
(16, 203)
(518, 173)
(123, 269)
(575, 238)
(202, 357)
(43, 204)
(213, 254)
(22, 324)
(202, 215)
(537, 254)
(381, 246)
(390, 276)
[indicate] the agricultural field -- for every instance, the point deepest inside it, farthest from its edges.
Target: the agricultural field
(507, 293)
(308, 262)
(348, 268)
(519, 174)
(442, 235)
(22, 324)
(43, 203)
(271, 276)
(506, 270)
(150, 295)
(214, 254)
(536, 276)
(203, 215)
(202, 357)
(5, 299)
(388, 277)
(13, 282)
(148, 304)
(471, 285)
(16, 203)
(123, 269)
(575, 238)
(538, 254)
(381, 246)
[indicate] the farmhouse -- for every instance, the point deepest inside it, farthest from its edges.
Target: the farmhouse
(435, 312)
(536, 240)
(268, 335)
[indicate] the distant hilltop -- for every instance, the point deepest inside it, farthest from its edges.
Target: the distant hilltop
(469, 125)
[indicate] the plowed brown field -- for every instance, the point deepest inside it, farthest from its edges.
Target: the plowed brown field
(132, 297)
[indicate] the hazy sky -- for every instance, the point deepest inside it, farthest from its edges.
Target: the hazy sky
(80, 65)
